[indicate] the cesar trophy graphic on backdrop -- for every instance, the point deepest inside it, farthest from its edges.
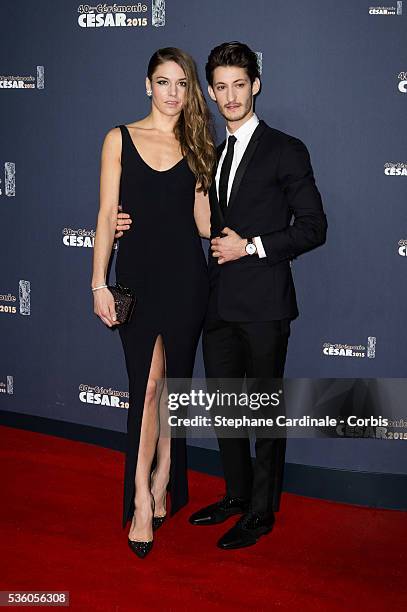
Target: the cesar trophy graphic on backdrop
(9, 188)
(158, 13)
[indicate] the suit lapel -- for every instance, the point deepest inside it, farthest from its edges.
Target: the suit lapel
(247, 156)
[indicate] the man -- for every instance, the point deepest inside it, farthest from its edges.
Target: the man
(264, 180)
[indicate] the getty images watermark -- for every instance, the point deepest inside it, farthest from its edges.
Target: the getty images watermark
(299, 408)
(206, 400)
(253, 401)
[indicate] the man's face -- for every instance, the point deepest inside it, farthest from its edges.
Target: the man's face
(233, 92)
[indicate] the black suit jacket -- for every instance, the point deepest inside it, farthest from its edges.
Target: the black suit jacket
(273, 196)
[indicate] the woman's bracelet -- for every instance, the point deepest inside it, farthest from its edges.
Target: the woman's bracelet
(100, 287)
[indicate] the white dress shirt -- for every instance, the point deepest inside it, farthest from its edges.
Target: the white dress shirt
(243, 135)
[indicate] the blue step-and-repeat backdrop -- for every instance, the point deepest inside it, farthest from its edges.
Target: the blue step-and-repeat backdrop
(334, 74)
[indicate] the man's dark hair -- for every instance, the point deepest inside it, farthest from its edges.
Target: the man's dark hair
(232, 54)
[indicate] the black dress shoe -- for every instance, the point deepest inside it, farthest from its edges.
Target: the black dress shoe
(248, 529)
(220, 511)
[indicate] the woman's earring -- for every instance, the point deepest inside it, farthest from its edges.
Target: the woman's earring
(149, 93)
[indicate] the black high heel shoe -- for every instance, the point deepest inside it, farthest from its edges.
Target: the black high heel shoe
(140, 548)
(158, 520)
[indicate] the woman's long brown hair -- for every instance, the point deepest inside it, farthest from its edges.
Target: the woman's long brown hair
(194, 127)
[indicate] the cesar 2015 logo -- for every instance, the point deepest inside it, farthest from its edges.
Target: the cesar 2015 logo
(120, 16)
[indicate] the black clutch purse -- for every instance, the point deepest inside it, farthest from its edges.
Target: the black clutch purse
(124, 301)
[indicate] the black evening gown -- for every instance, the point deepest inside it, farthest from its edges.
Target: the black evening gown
(162, 259)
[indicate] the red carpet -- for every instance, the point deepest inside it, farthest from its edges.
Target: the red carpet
(61, 529)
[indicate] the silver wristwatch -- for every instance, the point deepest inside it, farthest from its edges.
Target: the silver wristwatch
(250, 247)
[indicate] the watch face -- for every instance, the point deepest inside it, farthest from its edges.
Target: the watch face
(250, 248)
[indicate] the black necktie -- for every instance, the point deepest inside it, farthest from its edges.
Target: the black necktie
(224, 174)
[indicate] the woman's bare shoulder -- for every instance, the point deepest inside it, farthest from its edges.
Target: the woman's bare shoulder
(113, 134)
(113, 141)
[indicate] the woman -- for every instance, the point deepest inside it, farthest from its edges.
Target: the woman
(159, 169)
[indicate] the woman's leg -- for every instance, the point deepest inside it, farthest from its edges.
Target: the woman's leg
(141, 526)
(161, 473)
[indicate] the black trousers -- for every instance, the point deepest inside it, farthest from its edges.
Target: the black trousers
(256, 350)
